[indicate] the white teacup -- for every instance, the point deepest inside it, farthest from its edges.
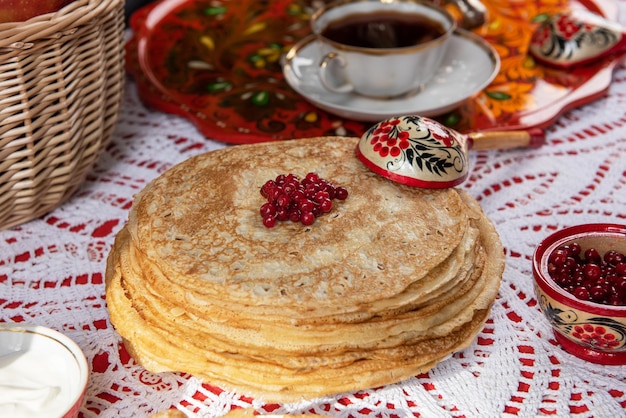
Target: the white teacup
(377, 57)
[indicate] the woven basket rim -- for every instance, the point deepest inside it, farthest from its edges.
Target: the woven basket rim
(18, 35)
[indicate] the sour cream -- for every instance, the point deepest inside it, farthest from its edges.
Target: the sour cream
(42, 372)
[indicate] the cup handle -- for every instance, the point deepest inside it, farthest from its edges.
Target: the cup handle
(326, 76)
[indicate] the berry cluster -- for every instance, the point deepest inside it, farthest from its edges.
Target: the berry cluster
(590, 275)
(289, 198)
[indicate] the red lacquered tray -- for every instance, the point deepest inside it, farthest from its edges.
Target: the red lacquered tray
(220, 67)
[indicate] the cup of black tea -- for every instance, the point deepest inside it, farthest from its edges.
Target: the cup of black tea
(380, 48)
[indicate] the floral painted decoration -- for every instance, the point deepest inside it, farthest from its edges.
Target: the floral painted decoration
(568, 39)
(416, 151)
(595, 332)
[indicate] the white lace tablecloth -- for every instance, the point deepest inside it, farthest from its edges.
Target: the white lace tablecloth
(51, 274)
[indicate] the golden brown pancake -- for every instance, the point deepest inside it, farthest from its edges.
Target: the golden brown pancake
(386, 285)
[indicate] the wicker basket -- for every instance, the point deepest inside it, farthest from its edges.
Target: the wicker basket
(61, 83)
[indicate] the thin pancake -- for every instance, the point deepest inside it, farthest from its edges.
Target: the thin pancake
(199, 222)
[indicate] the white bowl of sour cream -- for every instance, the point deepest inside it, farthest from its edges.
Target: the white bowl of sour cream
(43, 373)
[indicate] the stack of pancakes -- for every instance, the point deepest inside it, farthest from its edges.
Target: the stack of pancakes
(383, 287)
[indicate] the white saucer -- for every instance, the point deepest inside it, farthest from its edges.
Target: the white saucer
(469, 65)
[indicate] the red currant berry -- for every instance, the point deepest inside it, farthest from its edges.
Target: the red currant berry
(289, 188)
(294, 215)
(615, 300)
(321, 184)
(597, 293)
(592, 256)
(558, 257)
(306, 206)
(321, 195)
(297, 195)
(613, 257)
(570, 264)
(268, 209)
(575, 248)
(311, 178)
(582, 293)
(608, 256)
(592, 271)
(282, 214)
(341, 193)
(274, 193)
(310, 190)
(267, 188)
(326, 205)
(578, 276)
(283, 200)
(269, 221)
(307, 218)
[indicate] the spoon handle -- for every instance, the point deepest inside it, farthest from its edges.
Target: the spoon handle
(533, 138)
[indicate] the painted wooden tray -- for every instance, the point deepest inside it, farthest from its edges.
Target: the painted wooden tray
(219, 65)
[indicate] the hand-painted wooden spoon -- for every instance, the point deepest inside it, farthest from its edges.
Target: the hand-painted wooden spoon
(418, 151)
(575, 38)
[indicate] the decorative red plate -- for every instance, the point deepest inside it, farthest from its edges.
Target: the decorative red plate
(219, 65)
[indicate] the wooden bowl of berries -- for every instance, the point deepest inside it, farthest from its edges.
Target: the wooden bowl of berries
(580, 283)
